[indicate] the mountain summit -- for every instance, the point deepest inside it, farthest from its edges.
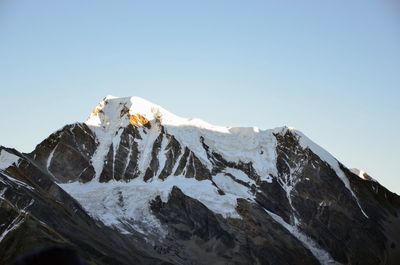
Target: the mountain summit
(136, 184)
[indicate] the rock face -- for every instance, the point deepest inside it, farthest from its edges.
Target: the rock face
(136, 184)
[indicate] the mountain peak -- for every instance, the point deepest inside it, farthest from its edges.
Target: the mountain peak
(146, 173)
(122, 110)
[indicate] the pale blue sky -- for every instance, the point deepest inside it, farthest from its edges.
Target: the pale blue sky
(328, 68)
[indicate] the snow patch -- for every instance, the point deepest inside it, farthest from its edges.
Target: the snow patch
(266, 178)
(240, 175)
(162, 158)
(115, 203)
(7, 159)
(49, 159)
(115, 144)
(17, 220)
(229, 186)
(16, 181)
(362, 174)
(12, 226)
(145, 146)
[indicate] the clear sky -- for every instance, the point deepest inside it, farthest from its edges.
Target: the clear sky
(328, 68)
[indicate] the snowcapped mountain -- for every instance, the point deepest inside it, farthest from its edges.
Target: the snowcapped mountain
(182, 191)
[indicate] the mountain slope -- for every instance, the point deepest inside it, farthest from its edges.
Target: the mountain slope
(198, 193)
(35, 212)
